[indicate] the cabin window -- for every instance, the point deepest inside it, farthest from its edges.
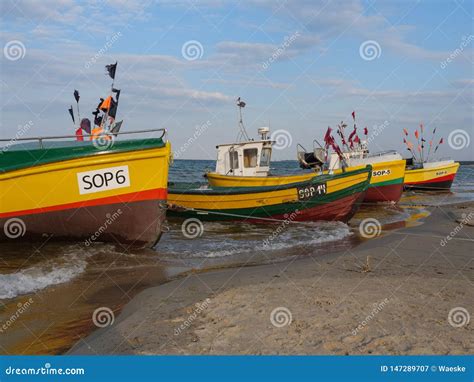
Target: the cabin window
(265, 157)
(250, 157)
(234, 160)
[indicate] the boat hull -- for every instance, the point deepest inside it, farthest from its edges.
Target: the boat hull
(114, 196)
(342, 196)
(386, 184)
(436, 178)
(384, 193)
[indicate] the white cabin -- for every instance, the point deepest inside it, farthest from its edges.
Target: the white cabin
(249, 158)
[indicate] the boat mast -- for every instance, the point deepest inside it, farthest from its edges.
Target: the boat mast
(242, 131)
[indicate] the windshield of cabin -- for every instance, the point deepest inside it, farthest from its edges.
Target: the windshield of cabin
(265, 157)
(250, 158)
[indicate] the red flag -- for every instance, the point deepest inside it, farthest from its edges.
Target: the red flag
(353, 115)
(352, 134)
(441, 141)
(431, 143)
(404, 140)
(79, 136)
(366, 131)
(416, 134)
(356, 139)
(327, 136)
(419, 148)
(421, 127)
(406, 132)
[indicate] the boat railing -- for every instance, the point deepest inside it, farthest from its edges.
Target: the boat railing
(86, 137)
(381, 153)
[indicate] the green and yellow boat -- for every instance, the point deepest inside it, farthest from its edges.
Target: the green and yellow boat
(325, 197)
(69, 190)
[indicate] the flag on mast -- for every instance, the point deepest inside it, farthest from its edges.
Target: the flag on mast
(111, 70)
(72, 114)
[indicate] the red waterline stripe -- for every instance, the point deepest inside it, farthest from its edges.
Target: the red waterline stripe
(158, 193)
(436, 180)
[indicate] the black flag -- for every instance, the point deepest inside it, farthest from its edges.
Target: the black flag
(111, 69)
(97, 118)
(117, 92)
(72, 114)
(76, 95)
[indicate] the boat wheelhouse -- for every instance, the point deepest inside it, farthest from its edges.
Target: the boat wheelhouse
(249, 158)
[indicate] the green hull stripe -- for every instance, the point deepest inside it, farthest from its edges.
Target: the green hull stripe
(269, 211)
(20, 156)
(387, 182)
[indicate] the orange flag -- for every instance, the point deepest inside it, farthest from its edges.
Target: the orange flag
(416, 134)
(106, 104)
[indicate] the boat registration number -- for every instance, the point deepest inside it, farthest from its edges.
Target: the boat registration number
(103, 180)
(381, 172)
(309, 192)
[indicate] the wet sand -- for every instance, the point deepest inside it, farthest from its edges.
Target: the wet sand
(50, 320)
(407, 291)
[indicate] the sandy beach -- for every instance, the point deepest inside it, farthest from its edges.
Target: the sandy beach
(406, 291)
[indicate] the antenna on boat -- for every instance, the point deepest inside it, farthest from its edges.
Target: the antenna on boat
(242, 131)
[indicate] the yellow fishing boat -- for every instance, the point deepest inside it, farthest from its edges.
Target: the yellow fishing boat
(325, 197)
(84, 191)
(431, 175)
(247, 164)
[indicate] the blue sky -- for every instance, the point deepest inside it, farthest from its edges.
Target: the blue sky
(299, 65)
